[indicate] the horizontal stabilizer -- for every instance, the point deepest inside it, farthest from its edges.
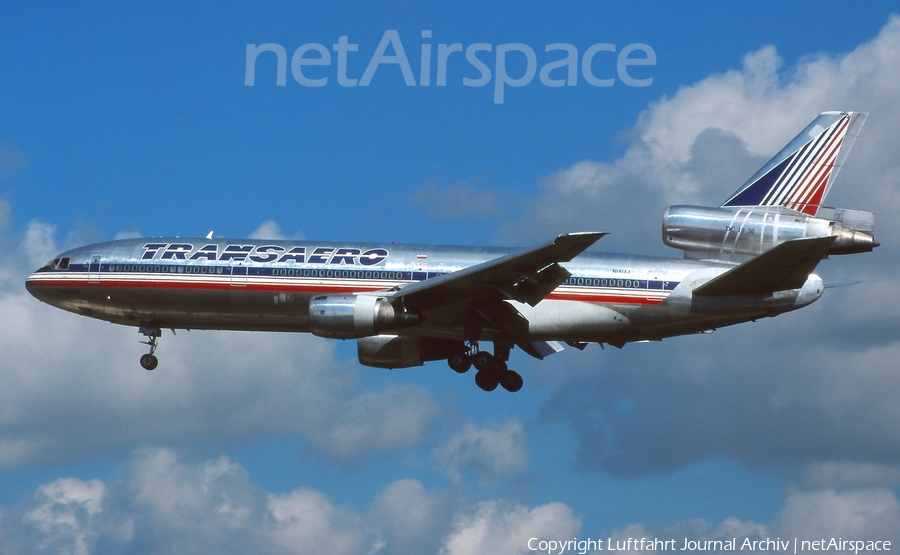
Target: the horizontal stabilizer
(786, 266)
(844, 283)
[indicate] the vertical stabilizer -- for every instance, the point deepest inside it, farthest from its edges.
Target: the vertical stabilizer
(799, 177)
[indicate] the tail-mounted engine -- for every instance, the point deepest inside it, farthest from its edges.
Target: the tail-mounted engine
(351, 316)
(719, 233)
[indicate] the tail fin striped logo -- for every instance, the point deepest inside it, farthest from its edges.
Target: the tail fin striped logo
(798, 177)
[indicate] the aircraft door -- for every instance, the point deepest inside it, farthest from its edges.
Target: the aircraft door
(94, 269)
(238, 273)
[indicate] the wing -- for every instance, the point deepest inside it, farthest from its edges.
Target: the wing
(477, 293)
(526, 276)
(784, 267)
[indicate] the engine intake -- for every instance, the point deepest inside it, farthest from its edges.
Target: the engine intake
(351, 316)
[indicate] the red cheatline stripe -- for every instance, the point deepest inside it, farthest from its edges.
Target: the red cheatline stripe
(315, 289)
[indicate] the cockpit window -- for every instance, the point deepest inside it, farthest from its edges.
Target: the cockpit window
(61, 263)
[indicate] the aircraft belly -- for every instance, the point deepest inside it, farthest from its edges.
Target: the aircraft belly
(572, 321)
(234, 308)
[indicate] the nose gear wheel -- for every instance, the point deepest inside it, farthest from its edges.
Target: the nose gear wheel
(149, 360)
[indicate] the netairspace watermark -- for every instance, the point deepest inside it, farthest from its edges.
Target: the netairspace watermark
(791, 545)
(601, 64)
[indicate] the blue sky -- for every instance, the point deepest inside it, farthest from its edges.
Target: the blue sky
(119, 121)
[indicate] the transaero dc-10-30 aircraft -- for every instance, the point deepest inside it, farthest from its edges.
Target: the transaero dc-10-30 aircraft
(749, 258)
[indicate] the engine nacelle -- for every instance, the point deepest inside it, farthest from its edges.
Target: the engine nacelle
(403, 351)
(350, 316)
(704, 232)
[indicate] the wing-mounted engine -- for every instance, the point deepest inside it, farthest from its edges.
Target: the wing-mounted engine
(728, 233)
(403, 351)
(350, 316)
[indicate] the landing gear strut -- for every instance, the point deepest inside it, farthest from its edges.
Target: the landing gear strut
(492, 369)
(149, 361)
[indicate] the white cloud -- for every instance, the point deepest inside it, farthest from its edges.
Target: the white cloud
(65, 512)
(305, 521)
(215, 495)
(164, 505)
(411, 518)
(127, 235)
(489, 453)
(378, 420)
(268, 230)
(70, 386)
(857, 514)
(502, 529)
(39, 244)
(701, 144)
(816, 386)
(801, 399)
(866, 514)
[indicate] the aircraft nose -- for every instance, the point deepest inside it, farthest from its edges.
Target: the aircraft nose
(42, 287)
(32, 285)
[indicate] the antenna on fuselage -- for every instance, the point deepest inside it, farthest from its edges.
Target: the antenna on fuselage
(209, 235)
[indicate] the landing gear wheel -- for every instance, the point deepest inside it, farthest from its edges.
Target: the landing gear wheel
(486, 380)
(460, 362)
(149, 362)
(511, 381)
(484, 361)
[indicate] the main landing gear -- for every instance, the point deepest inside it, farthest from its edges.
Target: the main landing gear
(149, 361)
(491, 369)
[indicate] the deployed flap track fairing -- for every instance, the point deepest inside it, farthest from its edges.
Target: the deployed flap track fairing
(752, 257)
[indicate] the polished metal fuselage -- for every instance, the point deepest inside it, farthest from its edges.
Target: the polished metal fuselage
(267, 285)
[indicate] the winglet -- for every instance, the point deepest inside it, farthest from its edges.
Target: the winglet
(787, 266)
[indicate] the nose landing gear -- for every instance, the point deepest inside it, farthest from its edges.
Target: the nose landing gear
(149, 360)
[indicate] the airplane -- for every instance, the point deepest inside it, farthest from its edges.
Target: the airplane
(406, 304)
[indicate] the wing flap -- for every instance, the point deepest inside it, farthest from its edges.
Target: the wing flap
(786, 266)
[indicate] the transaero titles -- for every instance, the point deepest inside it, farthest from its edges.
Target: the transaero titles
(778, 545)
(560, 64)
(264, 254)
